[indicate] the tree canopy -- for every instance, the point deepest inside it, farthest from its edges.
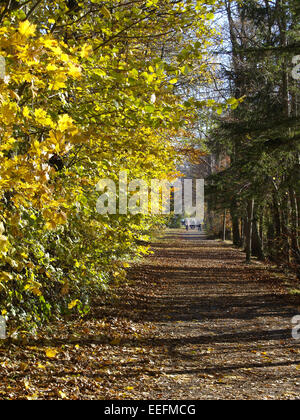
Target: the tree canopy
(90, 88)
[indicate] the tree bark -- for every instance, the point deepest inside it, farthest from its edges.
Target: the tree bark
(285, 213)
(235, 224)
(294, 226)
(224, 226)
(257, 248)
(250, 209)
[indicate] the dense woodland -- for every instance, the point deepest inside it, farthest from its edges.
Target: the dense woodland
(255, 183)
(90, 88)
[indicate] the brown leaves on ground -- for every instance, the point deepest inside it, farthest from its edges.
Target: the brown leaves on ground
(194, 322)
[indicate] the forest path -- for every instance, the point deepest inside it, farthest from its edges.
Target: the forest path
(193, 322)
(226, 325)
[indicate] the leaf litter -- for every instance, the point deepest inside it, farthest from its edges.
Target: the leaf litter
(192, 322)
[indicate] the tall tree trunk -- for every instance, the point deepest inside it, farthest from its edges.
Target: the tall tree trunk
(235, 224)
(261, 229)
(243, 232)
(276, 216)
(257, 248)
(250, 209)
(285, 213)
(224, 226)
(294, 226)
(271, 234)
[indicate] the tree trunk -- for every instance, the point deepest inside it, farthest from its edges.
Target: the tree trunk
(276, 215)
(286, 246)
(257, 248)
(235, 225)
(243, 233)
(224, 226)
(261, 229)
(250, 209)
(294, 226)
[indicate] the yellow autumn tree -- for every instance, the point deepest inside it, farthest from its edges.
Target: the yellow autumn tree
(91, 89)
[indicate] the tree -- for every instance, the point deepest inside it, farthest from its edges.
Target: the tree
(261, 136)
(92, 88)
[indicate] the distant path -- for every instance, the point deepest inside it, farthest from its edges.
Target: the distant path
(224, 328)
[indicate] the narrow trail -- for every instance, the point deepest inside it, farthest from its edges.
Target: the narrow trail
(193, 322)
(223, 327)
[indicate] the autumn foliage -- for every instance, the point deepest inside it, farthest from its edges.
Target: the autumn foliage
(89, 90)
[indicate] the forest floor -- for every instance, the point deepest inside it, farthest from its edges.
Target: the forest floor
(194, 322)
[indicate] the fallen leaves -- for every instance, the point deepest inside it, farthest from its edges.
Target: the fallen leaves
(124, 350)
(51, 353)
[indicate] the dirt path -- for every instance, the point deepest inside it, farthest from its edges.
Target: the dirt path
(196, 322)
(226, 325)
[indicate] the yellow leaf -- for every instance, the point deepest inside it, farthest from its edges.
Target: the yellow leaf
(26, 112)
(65, 123)
(73, 304)
(74, 71)
(8, 111)
(62, 394)
(51, 67)
(27, 29)
(42, 117)
(51, 353)
(58, 81)
(39, 366)
(26, 384)
(36, 291)
(51, 225)
(86, 50)
(50, 43)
